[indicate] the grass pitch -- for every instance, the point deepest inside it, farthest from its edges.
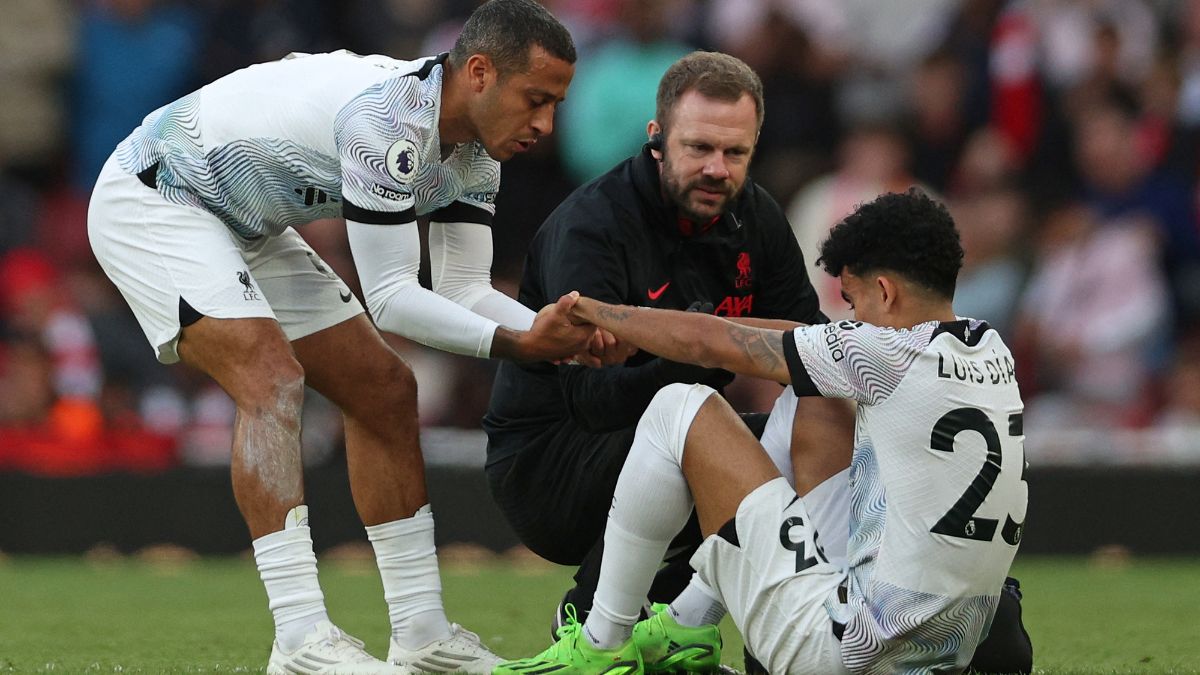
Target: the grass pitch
(134, 615)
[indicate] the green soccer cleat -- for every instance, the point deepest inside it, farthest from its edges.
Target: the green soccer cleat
(667, 647)
(573, 654)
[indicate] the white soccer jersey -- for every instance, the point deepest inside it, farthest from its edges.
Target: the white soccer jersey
(284, 143)
(937, 496)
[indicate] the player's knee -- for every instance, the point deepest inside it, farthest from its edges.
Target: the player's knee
(669, 416)
(391, 385)
(275, 387)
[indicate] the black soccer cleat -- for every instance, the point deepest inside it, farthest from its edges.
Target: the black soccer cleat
(1007, 647)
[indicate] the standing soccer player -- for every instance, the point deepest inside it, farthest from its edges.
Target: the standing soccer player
(192, 218)
(935, 490)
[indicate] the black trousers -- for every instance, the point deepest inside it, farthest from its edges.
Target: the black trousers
(556, 491)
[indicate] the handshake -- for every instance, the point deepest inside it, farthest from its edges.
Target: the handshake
(565, 332)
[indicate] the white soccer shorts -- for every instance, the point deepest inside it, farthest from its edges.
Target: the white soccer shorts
(774, 580)
(159, 254)
(830, 509)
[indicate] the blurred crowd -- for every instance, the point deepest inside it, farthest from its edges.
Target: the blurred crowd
(1063, 134)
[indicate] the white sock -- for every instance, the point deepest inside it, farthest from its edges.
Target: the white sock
(407, 561)
(697, 605)
(288, 568)
(650, 506)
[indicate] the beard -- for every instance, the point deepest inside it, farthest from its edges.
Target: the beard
(691, 205)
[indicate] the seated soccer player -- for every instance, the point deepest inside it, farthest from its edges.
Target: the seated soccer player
(935, 494)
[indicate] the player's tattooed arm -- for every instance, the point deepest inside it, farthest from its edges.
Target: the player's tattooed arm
(691, 337)
(761, 347)
(771, 324)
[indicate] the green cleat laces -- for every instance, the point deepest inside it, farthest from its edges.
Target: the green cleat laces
(573, 654)
(667, 647)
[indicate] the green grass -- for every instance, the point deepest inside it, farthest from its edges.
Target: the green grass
(71, 616)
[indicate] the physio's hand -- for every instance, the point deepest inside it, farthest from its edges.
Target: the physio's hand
(553, 335)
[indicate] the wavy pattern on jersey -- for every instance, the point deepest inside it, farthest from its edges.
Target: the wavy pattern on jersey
(868, 515)
(173, 129)
(475, 171)
(369, 124)
(258, 186)
(872, 361)
(905, 631)
(255, 186)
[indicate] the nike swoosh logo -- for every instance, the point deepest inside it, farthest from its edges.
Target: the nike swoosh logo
(345, 296)
(654, 295)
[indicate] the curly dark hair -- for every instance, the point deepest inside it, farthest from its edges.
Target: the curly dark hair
(907, 233)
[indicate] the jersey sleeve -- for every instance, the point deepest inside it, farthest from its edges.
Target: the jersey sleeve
(851, 359)
(477, 204)
(380, 152)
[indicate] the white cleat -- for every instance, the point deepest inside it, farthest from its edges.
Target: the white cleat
(462, 652)
(329, 651)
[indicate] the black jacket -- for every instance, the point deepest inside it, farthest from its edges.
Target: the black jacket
(617, 240)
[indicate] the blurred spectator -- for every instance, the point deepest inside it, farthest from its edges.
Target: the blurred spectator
(969, 40)
(1120, 182)
(872, 160)
(245, 32)
(1169, 143)
(799, 76)
(133, 56)
(1189, 62)
(41, 432)
(35, 304)
(532, 185)
(989, 285)
(18, 211)
(397, 28)
(612, 96)
(35, 52)
(27, 376)
(1016, 92)
(887, 37)
(1180, 418)
(1088, 39)
(44, 433)
(988, 162)
(1091, 320)
(937, 129)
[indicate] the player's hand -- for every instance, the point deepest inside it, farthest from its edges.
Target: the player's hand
(610, 349)
(553, 336)
(576, 312)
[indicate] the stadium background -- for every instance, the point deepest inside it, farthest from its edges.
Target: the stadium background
(1062, 133)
